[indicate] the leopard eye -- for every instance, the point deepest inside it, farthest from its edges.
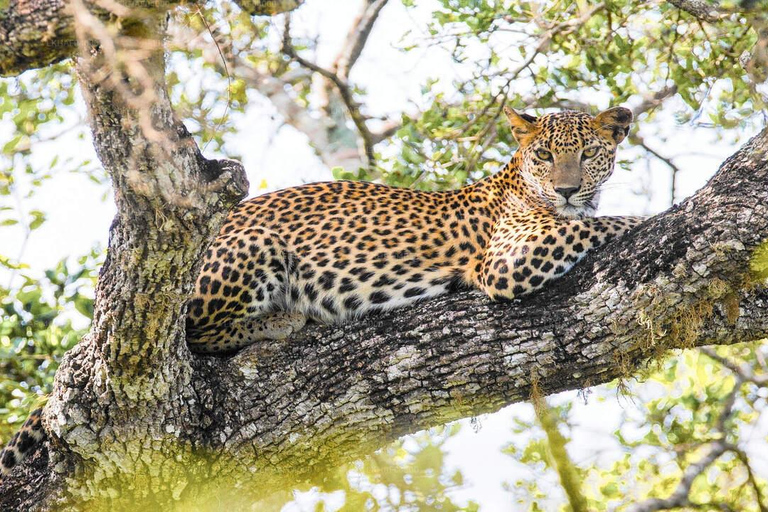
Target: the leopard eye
(589, 153)
(543, 154)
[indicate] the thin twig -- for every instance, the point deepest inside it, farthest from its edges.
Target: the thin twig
(639, 141)
(680, 496)
(744, 372)
(226, 71)
(654, 100)
(761, 501)
(345, 91)
(357, 37)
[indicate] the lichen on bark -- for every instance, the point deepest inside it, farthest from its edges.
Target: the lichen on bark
(136, 420)
(759, 263)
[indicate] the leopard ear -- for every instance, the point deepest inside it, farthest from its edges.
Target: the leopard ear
(613, 123)
(523, 125)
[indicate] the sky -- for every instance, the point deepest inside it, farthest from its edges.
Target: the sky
(278, 156)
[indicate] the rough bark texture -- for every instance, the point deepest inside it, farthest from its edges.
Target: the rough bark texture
(682, 279)
(268, 419)
(123, 397)
(700, 9)
(36, 33)
(268, 7)
(138, 422)
(134, 364)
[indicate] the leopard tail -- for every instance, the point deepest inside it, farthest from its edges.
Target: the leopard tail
(24, 442)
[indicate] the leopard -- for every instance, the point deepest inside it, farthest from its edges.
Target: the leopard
(332, 252)
(23, 443)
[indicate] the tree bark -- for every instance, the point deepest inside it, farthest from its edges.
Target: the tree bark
(266, 419)
(136, 421)
(700, 9)
(36, 33)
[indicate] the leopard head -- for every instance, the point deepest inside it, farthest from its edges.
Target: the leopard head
(567, 156)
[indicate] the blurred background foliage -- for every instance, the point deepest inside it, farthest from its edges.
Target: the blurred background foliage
(672, 65)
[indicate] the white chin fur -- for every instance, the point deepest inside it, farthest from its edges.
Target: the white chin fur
(574, 212)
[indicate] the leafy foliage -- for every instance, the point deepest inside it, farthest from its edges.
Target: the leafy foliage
(585, 54)
(41, 320)
(409, 475)
(673, 419)
(556, 54)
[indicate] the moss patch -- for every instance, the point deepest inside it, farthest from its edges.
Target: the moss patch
(758, 265)
(668, 327)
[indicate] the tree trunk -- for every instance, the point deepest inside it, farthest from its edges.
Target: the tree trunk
(136, 421)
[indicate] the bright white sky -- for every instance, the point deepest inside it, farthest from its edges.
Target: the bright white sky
(78, 219)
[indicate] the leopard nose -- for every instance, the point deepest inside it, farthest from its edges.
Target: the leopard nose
(567, 192)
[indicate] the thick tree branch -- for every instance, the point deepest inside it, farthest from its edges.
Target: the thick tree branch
(36, 33)
(268, 7)
(131, 403)
(170, 200)
(682, 279)
(700, 9)
(276, 415)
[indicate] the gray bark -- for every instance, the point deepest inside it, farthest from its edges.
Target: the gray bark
(136, 421)
(275, 418)
(36, 33)
(700, 9)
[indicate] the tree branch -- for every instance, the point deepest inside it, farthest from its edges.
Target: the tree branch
(387, 131)
(334, 393)
(357, 37)
(268, 7)
(37, 33)
(275, 89)
(566, 470)
(345, 91)
(34, 34)
(287, 412)
(759, 498)
(637, 140)
(654, 100)
(679, 497)
(700, 9)
(743, 372)
(131, 400)
(170, 201)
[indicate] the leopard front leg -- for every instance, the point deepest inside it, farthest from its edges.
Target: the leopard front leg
(240, 294)
(525, 252)
(243, 331)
